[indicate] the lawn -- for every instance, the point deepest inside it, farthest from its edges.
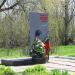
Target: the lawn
(65, 50)
(23, 52)
(13, 53)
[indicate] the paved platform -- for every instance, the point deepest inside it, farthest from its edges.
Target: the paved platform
(61, 63)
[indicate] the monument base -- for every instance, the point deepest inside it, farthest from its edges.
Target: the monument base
(22, 62)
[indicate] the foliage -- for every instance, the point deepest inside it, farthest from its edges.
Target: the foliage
(59, 72)
(65, 72)
(2, 69)
(36, 70)
(6, 71)
(56, 72)
(14, 26)
(41, 70)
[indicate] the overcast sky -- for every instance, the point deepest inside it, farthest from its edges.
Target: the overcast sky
(10, 2)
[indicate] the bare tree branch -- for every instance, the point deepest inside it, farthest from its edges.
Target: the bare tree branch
(2, 3)
(11, 7)
(71, 17)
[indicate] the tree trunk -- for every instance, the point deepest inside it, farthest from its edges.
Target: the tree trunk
(66, 23)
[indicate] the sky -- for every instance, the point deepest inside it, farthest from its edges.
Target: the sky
(10, 2)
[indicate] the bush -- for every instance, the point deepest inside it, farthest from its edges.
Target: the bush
(65, 72)
(56, 72)
(59, 72)
(2, 68)
(6, 71)
(41, 70)
(36, 70)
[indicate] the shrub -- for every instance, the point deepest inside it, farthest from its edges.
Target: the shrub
(36, 70)
(41, 70)
(2, 68)
(56, 72)
(6, 71)
(65, 72)
(59, 72)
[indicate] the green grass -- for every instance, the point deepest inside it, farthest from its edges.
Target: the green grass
(65, 50)
(12, 53)
(19, 52)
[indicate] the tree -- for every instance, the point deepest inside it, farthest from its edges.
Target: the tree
(7, 8)
(67, 19)
(15, 21)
